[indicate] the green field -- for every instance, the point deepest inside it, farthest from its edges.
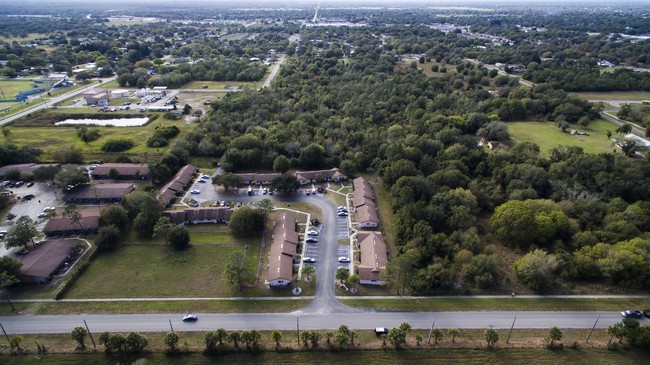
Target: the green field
(614, 95)
(10, 88)
(547, 135)
(159, 271)
(49, 139)
(30, 37)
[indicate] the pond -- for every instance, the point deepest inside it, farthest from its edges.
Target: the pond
(115, 122)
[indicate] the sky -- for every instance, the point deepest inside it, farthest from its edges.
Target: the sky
(243, 3)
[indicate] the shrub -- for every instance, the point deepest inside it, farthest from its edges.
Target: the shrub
(117, 145)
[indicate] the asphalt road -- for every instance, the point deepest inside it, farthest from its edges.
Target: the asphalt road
(313, 321)
(52, 101)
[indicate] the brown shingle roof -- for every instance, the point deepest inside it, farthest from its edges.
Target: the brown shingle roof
(253, 176)
(330, 174)
(373, 255)
(64, 224)
(99, 191)
(283, 247)
(176, 184)
(45, 258)
(367, 213)
(199, 214)
(123, 169)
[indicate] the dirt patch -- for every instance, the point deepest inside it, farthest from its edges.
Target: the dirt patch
(49, 119)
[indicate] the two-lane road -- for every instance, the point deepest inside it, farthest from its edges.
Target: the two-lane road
(312, 321)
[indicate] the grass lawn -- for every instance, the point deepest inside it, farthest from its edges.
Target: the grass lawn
(313, 210)
(506, 304)
(30, 37)
(12, 87)
(614, 95)
(159, 271)
(546, 135)
(49, 139)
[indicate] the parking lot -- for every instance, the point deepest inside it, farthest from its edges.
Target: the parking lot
(343, 251)
(342, 228)
(43, 196)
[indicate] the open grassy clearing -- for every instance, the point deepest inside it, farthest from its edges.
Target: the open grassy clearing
(313, 210)
(505, 304)
(159, 271)
(547, 135)
(30, 37)
(12, 87)
(51, 138)
(614, 95)
(198, 306)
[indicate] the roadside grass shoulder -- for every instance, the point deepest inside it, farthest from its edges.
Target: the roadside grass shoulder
(547, 136)
(614, 95)
(497, 304)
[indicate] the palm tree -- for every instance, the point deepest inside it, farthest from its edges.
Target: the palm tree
(277, 337)
(221, 335)
(453, 333)
(625, 128)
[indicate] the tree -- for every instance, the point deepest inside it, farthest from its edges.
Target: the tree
(7, 280)
(171, 341)
(265, 206)
(418, 339)
(624, 129)
(342, 273)
(135, 342)
(513, 223)
(113, 174)
(72, 212)
(179, 237)
(46, 173)
(108, 238)
(276, 336)
(308, 271)
(400, 272)
(237, 271)
(21, 233)
(453, 333)
(246, 220)
(210, 340)
(396, 337)
(281, 164)
(222, 335)
(304, 336)
(187, 109)
(162, 228)
(235, 337)
(437, 335)
(114, 215)
(312, 156)
(491, 336)
(78, 334)
(354, 280)
(15, 342)
(628, 146)
(227, 180)
(494, 131)
(70, 176)
(536, 269)
(617, 330)
(554, 334)
(69, 155)
(286, 183)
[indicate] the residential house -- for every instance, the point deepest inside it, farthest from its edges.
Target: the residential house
(41, 263)
(125, 171)
(177, 184)
(255, 178)
(98, 193)
(282, 252)
(65, 226)
(364, 204)
(374, 257)
(199, 215)
(307, 177)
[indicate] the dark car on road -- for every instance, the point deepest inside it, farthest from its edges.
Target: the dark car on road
(646, 313)
(190, 318)
(631, 314)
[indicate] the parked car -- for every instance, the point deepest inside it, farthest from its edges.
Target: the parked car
(631, 314)
(41, 215)
(344, 259)
(205, 177)
(195, 191)
(312, 233)
(381, 331)
(19, 184)
(49, 209)
(190, 318)
(311, 240)
(342, 214)
(310, 260)
(30, 184)
(201, 181)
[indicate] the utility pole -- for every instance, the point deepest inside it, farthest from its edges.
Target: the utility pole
(592, 328)
(170, 324)
(90, 334)
(298, 329)
(5, 332)
(431, 331)
(511, 327)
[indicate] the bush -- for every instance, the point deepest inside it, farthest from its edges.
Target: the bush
(117, 145)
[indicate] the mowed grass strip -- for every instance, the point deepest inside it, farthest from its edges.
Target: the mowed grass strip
(505, 304)
(614, 95)
(160, 271)
(547, 135)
